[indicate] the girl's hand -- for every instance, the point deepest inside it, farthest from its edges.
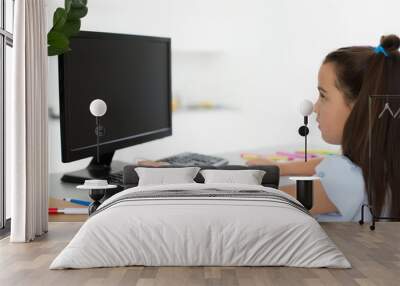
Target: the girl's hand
(255, 162)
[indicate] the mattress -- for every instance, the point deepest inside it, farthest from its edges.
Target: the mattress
(201, 225)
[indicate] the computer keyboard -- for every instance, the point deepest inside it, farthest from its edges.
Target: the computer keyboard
(194, 159)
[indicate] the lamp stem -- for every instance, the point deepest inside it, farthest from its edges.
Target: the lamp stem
(305, 140)
(98, 138)
(305, 150)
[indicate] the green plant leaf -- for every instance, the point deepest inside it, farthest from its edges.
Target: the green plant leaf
(71, 27)
(77, 13)
(57, 40)
(59, 18)
(53, 51)
(79, 3)
(67, 5)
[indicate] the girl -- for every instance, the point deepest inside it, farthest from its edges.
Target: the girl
(346, 79)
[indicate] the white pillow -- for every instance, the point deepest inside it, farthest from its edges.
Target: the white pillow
(162, 176)
(249, 177)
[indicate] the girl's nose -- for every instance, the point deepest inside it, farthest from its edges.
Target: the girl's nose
(315, 108)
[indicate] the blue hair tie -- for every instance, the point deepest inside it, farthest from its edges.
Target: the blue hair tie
(380, 49)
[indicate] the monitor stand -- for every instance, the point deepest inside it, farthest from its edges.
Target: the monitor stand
(95, 170)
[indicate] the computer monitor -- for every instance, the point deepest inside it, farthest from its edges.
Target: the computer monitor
(132, 74)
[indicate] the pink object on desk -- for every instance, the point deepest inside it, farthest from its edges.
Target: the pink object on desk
(294, 155)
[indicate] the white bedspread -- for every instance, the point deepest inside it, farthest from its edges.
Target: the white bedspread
(200, 231)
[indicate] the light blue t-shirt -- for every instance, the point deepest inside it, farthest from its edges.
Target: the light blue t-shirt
(343, 183)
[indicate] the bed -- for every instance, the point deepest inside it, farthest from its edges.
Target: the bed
(198, 224)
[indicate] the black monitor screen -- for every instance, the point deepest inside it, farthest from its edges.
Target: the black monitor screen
(131, 74)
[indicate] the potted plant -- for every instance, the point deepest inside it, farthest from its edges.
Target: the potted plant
(66, 23)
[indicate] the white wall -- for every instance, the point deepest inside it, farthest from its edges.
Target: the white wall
(259, 57)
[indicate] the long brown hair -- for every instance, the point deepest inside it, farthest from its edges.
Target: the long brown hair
(362, 71)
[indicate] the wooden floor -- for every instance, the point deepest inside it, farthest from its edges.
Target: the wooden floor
(374, 255)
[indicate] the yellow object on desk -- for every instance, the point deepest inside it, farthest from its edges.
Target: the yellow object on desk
(252, 156)
(319, 152)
